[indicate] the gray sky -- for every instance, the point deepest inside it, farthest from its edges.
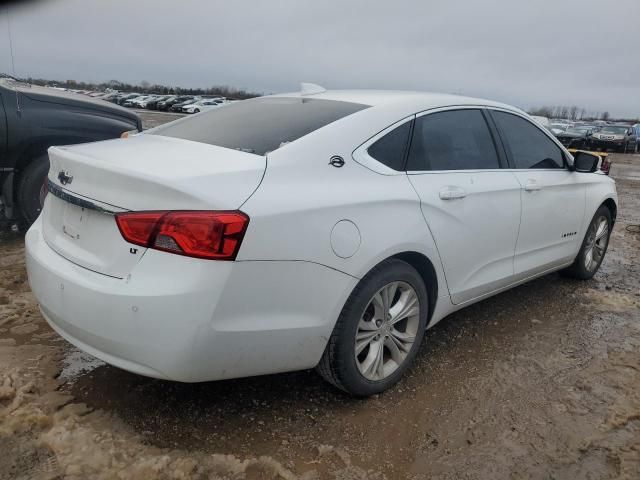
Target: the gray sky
(523, 52)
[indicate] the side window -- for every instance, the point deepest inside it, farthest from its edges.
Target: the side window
(529, 147)
(452, 140)
(390, 149)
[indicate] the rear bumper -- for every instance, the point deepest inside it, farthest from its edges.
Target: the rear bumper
(191, 320)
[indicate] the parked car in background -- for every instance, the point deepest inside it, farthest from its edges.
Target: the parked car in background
(621, 138)
(203, 105)
(544, 121)
(34, 118)
(135, 101)
(166, 105)
(153, 104)
(110, 96)
(576, 137)
(145, 101)
(168, 278)
(127, 96)
(177, 107)
(557, 127)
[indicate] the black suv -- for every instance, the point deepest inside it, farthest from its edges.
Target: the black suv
(622, 138)
(34, 118)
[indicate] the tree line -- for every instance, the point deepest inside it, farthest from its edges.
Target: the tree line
(575, 113)
(146, 87)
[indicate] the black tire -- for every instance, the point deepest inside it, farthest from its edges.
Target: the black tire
(338, 364)
(196, 111)
(579, 267)
(31, 188)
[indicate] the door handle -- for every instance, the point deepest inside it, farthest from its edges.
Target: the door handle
(532, 186)
(452, 192)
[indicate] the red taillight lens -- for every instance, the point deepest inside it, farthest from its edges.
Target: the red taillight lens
(202, 234)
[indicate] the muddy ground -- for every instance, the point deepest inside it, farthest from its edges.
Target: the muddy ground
(541, 382)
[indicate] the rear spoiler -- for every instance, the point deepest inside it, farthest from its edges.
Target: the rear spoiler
(605, 163)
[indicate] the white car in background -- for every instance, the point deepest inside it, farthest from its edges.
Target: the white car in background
(323, 229)
(142, 103)
(544, 121)
(204, 105)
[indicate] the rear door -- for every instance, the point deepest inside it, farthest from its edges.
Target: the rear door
(471, 204)
(553, 199)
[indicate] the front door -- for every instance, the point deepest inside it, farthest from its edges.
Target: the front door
(553, 199)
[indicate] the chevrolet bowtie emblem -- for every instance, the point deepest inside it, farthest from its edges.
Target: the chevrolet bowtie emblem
(64, 177)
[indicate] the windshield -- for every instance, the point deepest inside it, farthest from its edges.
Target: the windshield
(578, 129)
(559, 126)
(259, 125)
(613, 129)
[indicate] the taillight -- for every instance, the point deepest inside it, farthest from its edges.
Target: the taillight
(201, 234)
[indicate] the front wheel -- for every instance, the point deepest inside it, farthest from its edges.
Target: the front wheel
(594, 246)
(379, 330)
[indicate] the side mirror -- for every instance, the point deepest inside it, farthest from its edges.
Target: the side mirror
(585, 162)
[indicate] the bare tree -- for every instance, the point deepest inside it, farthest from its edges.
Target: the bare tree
(573, 113)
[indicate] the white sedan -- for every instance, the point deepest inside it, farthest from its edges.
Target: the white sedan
(323, 229)
(203, 105)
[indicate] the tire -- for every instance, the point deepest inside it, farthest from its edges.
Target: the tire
(585, 266)
(341, 366)
(32, 188)
(196, 111)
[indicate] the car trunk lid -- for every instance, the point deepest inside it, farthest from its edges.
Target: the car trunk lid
(89, 183)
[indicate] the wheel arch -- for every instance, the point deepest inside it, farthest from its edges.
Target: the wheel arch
(613, 208)
(427, 271)
(425, 268)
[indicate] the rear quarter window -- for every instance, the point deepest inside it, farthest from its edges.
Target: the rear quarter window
(259, 125)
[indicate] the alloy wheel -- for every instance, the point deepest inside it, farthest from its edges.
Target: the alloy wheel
(387, 330)
(596, 243)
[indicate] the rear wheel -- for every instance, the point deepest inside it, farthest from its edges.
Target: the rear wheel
(594, 246)
(32, 188)
(379, 330)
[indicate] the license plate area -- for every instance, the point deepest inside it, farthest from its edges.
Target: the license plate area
(74, 220)
(89, 238)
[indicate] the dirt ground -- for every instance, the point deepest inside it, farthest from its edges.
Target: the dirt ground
(541, 382)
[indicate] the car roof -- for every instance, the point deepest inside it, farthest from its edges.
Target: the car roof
(419, 100)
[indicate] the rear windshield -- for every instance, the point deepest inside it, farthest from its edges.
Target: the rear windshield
(259, 125)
